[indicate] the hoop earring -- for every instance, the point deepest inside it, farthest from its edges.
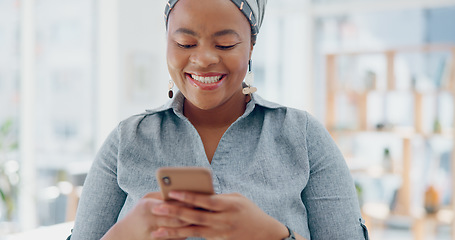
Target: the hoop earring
(249, 81)
(170, 93)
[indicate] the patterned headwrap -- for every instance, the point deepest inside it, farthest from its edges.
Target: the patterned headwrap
(252, 9)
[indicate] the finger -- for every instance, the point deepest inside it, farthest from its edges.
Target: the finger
(146, 205)
(190, 231)
(178, 203)
(208, 202)
(162, 233)
(165, 221)
(155, 195)
(188, 215)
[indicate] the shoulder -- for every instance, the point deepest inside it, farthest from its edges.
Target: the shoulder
(292, 117)
(172, 109)
(296, 126)
(147, 119)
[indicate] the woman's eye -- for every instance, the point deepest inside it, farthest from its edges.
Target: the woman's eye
(186, 45)
(225, 47)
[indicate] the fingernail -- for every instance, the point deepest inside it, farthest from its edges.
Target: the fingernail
(160, 210)
(159, 233)
(177, 195)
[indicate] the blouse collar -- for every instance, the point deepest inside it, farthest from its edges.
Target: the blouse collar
(176, 105)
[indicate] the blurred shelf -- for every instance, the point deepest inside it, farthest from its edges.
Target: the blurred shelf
(431, 92)
(359, 109)
(350, 7)
(404, 132)
(375, 171)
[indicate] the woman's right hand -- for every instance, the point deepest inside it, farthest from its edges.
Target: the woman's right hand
(140, 222)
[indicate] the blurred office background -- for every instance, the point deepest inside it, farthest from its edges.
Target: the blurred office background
(378, 73)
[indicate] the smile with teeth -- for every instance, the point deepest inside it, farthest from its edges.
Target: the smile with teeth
(211, 79)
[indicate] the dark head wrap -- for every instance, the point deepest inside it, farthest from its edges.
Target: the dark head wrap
(252, 9)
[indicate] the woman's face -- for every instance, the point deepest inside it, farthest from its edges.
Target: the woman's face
(208, 48)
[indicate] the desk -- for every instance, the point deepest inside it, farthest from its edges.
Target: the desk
(54, 232)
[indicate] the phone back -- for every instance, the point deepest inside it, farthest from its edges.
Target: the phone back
(193, 179)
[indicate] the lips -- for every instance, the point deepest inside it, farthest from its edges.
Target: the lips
(209, 81)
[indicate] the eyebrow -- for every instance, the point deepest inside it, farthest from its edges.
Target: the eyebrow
(217, 34)
(187, 31)
(226, 32)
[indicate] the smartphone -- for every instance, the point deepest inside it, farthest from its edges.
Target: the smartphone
(193, 179)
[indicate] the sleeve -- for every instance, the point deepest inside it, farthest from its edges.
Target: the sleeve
(102, 199)
(330, 196)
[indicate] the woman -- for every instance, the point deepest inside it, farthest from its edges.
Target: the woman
(276, 171)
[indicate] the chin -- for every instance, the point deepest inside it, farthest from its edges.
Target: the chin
(206, 104)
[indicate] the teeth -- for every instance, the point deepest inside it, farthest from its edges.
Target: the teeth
(212, 79)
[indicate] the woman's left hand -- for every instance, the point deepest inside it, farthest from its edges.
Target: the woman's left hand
(226, 216)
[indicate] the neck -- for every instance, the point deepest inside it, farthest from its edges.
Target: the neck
(221, 116)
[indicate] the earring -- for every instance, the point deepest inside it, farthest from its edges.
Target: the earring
(170, 86)
(249, 81)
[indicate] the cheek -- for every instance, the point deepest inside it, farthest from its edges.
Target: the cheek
(238, 64)
(175, 59)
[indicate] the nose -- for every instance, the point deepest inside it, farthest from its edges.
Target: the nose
(205, 57)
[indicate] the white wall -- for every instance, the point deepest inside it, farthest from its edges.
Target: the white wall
(283, 53)
(132, 66)
(142, 47)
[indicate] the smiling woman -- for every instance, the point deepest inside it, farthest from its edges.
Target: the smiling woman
(275, 169)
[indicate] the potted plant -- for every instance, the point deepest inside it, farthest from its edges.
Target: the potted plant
(9, 170)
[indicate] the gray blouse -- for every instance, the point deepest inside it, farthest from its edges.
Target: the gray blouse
(281, 158)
